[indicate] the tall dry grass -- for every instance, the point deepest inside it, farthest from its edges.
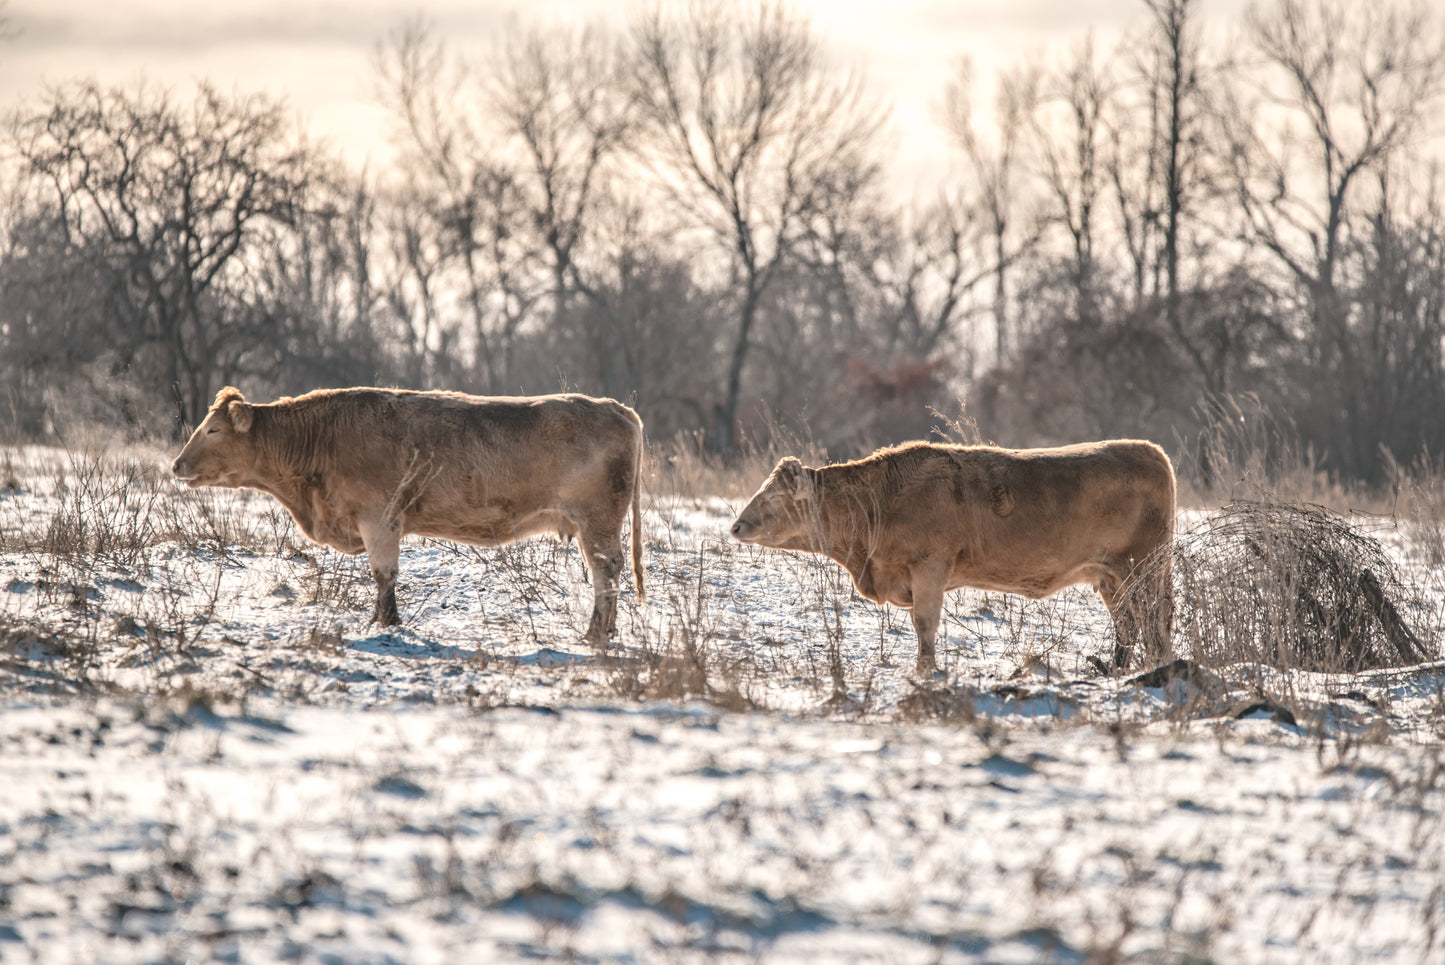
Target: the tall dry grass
(1245, 450)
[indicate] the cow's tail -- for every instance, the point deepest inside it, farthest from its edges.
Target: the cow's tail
(637, 517)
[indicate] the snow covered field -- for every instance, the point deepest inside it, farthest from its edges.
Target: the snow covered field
(209, 755)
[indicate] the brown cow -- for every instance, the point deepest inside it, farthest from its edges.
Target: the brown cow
(358, 469)
(913, 522)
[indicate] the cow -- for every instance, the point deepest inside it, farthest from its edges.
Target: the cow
(912, 522)
(359, 468)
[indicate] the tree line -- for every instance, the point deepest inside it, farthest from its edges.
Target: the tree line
(692, 213)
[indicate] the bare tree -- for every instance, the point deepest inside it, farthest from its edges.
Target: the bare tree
(1067, 140)
(1347, 90)
(170, 198)
(1178, 80)
(474, 257)
(1157, 150)
(747, 130)
(929, 278)
(1396, 269)
(560, 99)
(646, 330)
(318, 289)
(53, 312)
(1163, 176)
(996, 169)
(1362, 80)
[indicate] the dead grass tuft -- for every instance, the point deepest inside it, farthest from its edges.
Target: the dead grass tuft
(683, 669)
(1419, 494)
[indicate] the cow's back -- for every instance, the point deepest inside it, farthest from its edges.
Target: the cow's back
(1088, 489)
(480, 469)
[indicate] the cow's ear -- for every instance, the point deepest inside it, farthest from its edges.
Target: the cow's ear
(803, 488)
(796, 477)
(241, 415)
(787, 471)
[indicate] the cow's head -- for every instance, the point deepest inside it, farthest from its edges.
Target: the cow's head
(783, 513)
(221, 450)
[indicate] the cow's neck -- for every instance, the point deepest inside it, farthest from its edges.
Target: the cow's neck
(847, 522)
(279, 471)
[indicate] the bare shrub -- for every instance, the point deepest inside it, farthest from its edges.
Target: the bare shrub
(682, 668)
(677, 653)
(1290, 585)
(108, 512)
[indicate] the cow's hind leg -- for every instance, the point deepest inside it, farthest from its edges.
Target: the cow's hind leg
(383, 553)
(1143, 610)
(604, 558)
(1126, 629)
(1153, 601)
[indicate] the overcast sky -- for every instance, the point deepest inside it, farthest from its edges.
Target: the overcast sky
(317, 53)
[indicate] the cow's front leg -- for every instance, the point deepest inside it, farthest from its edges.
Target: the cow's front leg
(928, 581)
(383, 552)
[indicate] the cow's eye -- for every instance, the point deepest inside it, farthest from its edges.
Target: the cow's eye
(213, 430)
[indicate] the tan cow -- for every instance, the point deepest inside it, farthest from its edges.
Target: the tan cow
(911, 523)
(360, 468)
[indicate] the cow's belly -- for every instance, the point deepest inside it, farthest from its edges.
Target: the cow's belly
(1035, 584)
(894, 585)
(492, 525)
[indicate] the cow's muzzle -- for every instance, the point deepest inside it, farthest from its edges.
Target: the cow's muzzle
(184, 473)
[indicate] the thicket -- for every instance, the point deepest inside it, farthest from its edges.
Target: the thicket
(695, 215)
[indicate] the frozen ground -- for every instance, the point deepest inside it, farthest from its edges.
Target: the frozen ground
(209, 755)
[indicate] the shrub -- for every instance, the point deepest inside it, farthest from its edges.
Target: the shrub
(1290, 585)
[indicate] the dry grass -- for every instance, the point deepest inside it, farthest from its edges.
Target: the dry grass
(685, 467)
(115, 527)
(1419, 502)
(1245, 449)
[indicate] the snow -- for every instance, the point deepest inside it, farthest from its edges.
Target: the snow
(208, 754)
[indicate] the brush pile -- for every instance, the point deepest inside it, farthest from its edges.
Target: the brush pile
(1290, 585)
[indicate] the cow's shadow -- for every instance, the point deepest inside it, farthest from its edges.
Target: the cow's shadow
(548, 658)
(398, 645)
(403, 646)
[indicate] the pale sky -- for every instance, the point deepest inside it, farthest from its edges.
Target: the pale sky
(317, 53)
